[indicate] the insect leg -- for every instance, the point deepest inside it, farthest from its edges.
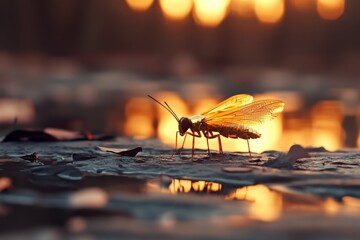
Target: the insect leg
(248, 147)
(210, 135)
(193, 145)
(193, 134)
(182, 146)
(220, 145)
(176, 137)
(207, 142)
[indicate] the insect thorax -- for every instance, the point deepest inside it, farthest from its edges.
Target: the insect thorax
(197, 120)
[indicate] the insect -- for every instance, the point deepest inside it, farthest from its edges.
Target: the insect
(231, 118)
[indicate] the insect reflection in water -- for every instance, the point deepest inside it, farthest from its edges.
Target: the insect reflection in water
(234, 117)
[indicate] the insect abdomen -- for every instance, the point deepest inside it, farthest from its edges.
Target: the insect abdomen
(235, 132)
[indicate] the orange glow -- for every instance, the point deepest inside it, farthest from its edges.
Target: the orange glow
(271, 131)
(297, 130)
(167, 123)
(210, 13)
(269, 11)
(302, 4)
(176, 9)
(186, 186)
(330, 9)
(266, 204)
(331, 206)
(11, 109)
(244, 8)
(351, 202)
(326, 128)
(139, 5)
(138, 118)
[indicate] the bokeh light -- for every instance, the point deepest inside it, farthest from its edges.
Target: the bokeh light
(138, 118)
(330, 9)
(210, 13)
(176, 9)
(139, 5)
(269, 11)
(243, 8)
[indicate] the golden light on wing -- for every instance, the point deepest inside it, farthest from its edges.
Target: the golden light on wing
(229, 104)
(176, 9)
(248, 115)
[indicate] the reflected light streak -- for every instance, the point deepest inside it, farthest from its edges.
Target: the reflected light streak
(330, 9)
(244, 8)
(266, 205)
(138, 118)
(326, 120)
(186, 186)
(210, 13)
(139, 5)
(269, 11)
(331, 206)
(176, 9)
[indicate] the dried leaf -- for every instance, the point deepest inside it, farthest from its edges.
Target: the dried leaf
(287, 161)
(34, 157)
(120, 151)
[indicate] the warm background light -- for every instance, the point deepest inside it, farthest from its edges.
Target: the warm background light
(243, 8)
(210, 13)
(167, 123)
(139, 5)
(326, 119)
(176, 9)
(269, 11)
(330, 9)
(302, 5)
(138, 118)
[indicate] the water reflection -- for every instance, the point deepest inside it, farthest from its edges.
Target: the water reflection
(266, 203)
(186, 186)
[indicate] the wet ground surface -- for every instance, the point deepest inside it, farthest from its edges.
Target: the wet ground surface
(75, 190)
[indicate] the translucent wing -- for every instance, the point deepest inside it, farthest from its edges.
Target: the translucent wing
(228, 105)
(247, 115)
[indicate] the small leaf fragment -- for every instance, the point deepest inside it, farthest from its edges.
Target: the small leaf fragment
(123, 152)
(287, 161)
(237, 169)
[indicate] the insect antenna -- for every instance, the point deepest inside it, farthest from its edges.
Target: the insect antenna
(167, 107)
(177, 118)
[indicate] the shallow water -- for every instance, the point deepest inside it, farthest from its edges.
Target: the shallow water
(74, 190)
